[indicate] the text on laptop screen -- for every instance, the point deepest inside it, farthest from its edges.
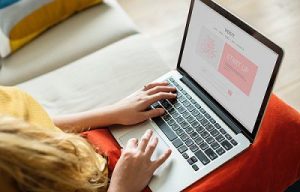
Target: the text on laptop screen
(231, 65)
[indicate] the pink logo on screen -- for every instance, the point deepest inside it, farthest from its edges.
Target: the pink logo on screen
(238, 69)
(208, 49)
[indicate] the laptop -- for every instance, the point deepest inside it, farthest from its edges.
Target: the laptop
(224, 77)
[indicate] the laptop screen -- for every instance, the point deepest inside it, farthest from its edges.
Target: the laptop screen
(231, 65)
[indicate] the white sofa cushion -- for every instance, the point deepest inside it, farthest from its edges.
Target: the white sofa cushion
(99, 79)
(70, 40)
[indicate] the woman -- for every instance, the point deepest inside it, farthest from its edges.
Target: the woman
(40, 154)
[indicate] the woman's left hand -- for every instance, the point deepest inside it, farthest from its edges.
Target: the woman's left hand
(134, 108)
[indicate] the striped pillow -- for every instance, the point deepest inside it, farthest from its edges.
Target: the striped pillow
(23, 20)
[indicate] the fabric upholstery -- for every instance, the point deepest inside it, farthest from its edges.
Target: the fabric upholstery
(99, 79)
(23, 20)
(74, 38)
(272, 163)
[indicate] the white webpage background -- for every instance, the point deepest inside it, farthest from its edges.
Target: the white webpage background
(243, 107)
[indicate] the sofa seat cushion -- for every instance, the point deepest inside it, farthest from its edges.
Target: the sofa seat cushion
(80, 35)
(98, 79)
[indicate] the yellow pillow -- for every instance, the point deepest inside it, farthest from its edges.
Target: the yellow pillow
(23, 20)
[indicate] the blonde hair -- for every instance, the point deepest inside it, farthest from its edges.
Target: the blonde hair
(40, 159)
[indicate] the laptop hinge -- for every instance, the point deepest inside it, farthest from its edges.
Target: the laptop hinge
(210, 104)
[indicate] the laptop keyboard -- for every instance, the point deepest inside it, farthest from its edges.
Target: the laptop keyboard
(189, 127)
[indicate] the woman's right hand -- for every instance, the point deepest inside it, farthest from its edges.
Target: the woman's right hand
(134, 169)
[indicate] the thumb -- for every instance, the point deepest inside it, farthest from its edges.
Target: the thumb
(154, 113)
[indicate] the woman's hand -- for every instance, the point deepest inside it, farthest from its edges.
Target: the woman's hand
(133, 109)
(134, 169)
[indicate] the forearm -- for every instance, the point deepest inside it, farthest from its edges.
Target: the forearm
(87, 120)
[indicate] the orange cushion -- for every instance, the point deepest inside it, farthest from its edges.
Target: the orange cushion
(272, 163)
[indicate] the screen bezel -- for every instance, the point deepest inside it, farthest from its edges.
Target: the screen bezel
(252, 32)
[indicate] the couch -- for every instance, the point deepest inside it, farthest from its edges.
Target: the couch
(92, 59)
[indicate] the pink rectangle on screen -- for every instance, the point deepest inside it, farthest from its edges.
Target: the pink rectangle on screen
(238, 69)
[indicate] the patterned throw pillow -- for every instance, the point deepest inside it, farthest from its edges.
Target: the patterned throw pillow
(23, 20)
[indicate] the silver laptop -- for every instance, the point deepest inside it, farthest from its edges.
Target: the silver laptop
(224, 78)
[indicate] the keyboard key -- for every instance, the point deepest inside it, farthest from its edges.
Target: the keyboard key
(228, 136)
(184, 92)
(220, 138)
(189, 142)
(171, 79)
(202, 110)
(204, 121)
(195, 167)
(194, 159)
(165, 103)
(215, 145)
(212, 121)
(177, 105)
(181, 110)
(165, 129)
(209, 127)
(199, 129)
(199, 140)
(171, 122)
(182, 99)
(182, 149)
(156, 105)
(167, 117)
(214, 132)
(195, 112)
(194, 135)
(184, 124)
(226, 145)
(199, 117)
(190, 161)
(203, 146)
(191, 108)
(177, 142)
(210, 153)
(220, 151)
(172, 111)
(179, 87)
(193, 101)
(179, 119)
(207, 116)
(175, 127)
(209, 139)
(194, 148)
(184, 137)
(195, 124)
(202, 158)
(186, 115)
(233, 142)
(204, 134)
(185, 155)
(186, 103)
(188, 96)
(191, 119)
(189, 130)
(217, 125)
(179, 132)
(222, 131)
(197, 106)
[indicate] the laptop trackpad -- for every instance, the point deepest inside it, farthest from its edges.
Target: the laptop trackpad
(160, 149)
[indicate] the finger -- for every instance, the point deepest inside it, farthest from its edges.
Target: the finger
(151, 85)
(153, 113)
(157, 163)
(145, 140)
(132, 143)
(158, 89)
(159, 96)
(151, 147)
